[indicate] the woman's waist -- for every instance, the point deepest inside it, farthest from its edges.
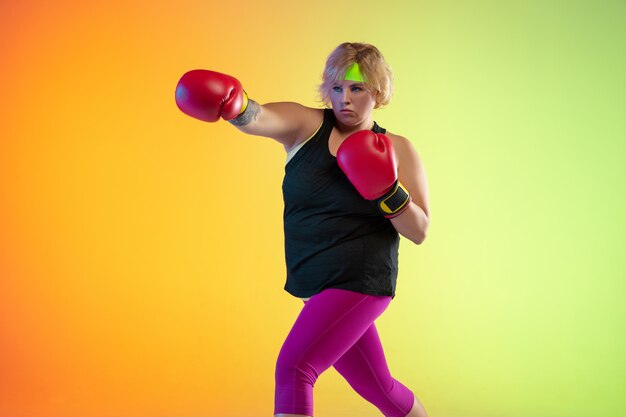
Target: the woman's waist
(331, 231)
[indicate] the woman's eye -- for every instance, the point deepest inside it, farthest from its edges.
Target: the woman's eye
(339, 89)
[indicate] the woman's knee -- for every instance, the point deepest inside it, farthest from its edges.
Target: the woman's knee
(394, 401)
(294, 387)
(290, 371)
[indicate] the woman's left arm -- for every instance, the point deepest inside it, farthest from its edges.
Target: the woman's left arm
(413, 222)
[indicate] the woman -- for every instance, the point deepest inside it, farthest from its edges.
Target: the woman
(350, 188)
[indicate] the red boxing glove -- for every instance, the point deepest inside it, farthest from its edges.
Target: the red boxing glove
(369, 161)
(209, 95)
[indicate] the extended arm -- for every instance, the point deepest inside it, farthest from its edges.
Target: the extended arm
(209, 95)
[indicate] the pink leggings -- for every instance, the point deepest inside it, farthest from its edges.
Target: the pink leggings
(336, 327)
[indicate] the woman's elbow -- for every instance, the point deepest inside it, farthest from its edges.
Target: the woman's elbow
(418, 240)
(420, 236)
(417, 236)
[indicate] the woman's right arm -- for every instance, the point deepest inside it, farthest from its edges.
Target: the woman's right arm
(285, 122)
(209, 96)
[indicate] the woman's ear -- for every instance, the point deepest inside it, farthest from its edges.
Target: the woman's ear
(376, 99)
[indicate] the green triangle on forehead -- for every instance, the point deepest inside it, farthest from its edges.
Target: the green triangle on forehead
(353, 73)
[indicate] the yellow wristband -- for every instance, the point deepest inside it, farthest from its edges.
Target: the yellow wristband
(245, 102)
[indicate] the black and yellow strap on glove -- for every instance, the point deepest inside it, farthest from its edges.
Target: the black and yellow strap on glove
(394, 202)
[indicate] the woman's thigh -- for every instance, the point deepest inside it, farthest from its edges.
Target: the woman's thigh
(365, 363)
(329, 324)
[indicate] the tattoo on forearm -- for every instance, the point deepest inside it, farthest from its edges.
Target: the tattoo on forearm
(250, 114)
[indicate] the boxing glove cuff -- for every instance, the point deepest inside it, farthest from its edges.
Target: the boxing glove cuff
(394, 202)
(247, 112)
(245, 103)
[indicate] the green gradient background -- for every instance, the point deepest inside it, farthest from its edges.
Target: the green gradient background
(141, 268)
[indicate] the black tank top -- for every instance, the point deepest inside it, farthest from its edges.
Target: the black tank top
(334, 238)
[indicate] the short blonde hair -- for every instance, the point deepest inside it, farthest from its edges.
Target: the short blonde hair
(373, 67)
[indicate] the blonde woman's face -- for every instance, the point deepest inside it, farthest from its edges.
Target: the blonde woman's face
(352, 101)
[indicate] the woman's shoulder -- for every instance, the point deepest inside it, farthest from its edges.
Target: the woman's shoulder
(311, 119)
(399, 141)
(405, 150)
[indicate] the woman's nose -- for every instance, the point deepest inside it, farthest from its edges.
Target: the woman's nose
(345, 97)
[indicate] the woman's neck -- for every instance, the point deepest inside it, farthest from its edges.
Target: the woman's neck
(349, 129)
